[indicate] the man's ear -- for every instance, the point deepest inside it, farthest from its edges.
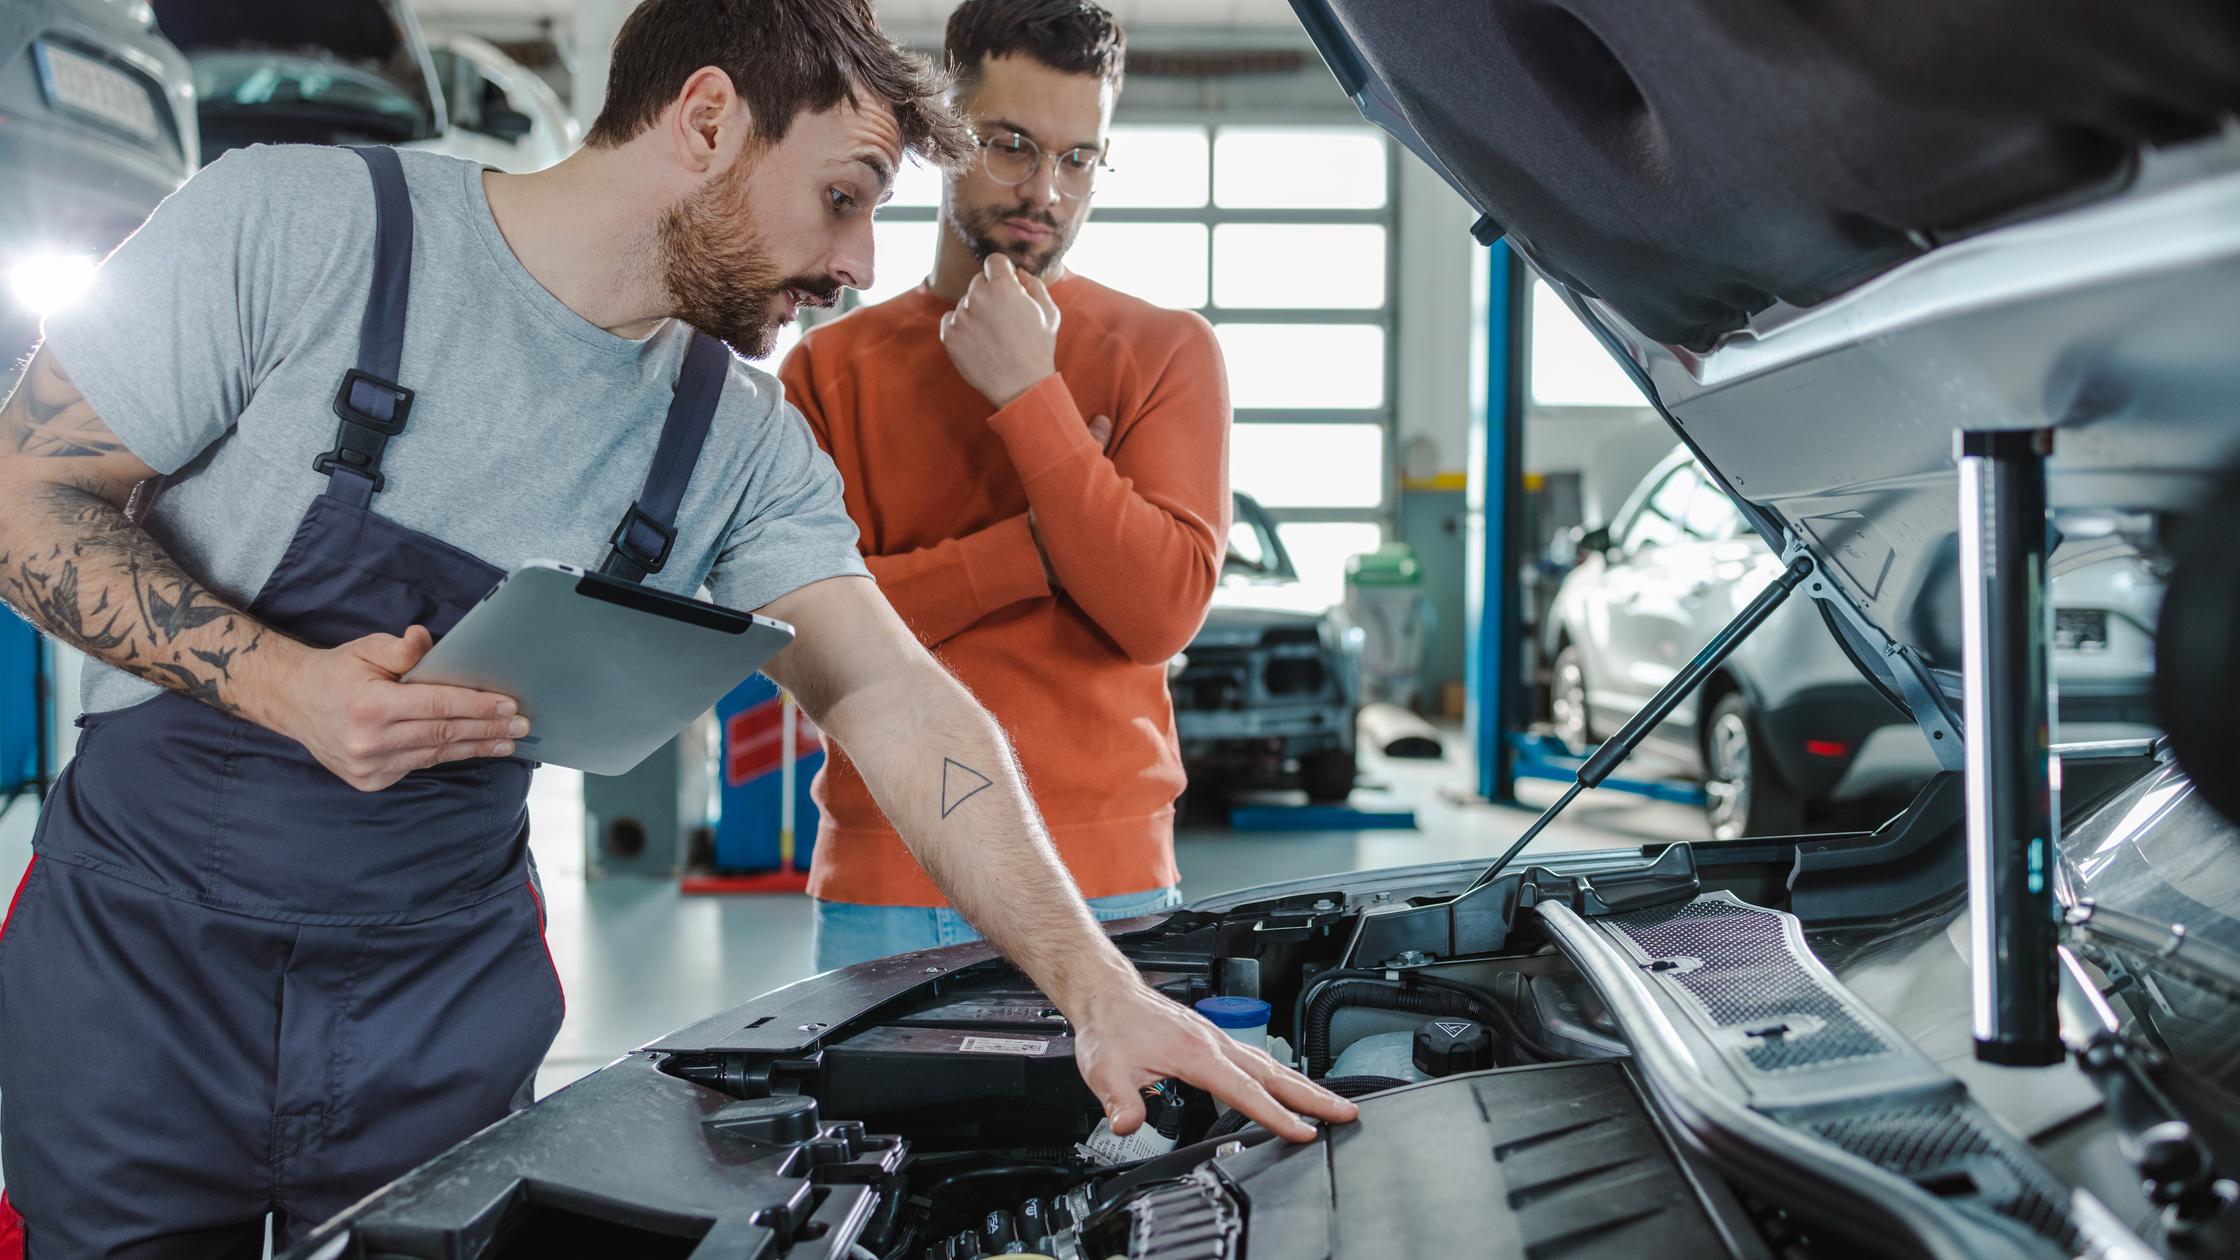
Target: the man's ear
(706, 109)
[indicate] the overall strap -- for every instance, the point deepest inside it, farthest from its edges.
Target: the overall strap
(370, 403)
(640, 544)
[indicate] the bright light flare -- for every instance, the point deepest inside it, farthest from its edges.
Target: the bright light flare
(49, 283)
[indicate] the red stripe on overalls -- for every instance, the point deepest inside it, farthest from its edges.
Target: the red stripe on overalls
(557, 982)
(11, 1221)
(21, 884)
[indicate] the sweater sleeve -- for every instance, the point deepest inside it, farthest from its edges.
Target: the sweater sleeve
(945, 589)
(1135, 540)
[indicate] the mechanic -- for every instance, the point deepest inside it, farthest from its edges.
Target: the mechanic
(281, 939)
(1039, 468)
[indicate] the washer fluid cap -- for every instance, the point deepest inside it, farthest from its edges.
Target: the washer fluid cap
(1235, 1012)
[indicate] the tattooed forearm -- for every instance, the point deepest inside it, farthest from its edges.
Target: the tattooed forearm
(49, 419)
(103, 585)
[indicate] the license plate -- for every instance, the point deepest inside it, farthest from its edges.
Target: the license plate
(81, 85)
(2080, 630)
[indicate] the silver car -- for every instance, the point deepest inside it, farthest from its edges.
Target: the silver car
(1789, 723)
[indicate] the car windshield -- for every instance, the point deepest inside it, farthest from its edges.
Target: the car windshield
(276, 79)
(355, 56)
(1254, 550)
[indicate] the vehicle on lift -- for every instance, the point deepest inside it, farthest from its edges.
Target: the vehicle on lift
(359, 72)
(1788, 725)
(1267, 692)
(501, 114)
(96, 127)
(2011, 215)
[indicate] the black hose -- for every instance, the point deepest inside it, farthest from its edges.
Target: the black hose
(1378, 994)
(1523, 1044)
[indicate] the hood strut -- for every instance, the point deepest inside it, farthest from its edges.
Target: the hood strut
(1621, 745)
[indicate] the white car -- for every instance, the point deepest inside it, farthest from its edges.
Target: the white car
(1789, 723)
(361, 72)
(500, 113)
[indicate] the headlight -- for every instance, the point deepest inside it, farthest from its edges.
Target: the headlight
(47, 283)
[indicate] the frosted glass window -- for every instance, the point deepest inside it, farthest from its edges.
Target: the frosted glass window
(901, 256)
(1319, 550)
(1162, 263)
(1154, 166)
(1323, 367)
(1569, 367)
(1298, 168)
(1309, 465)
(916, 184)
(1291, 265)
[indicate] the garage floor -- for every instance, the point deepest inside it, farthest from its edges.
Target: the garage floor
(639, 959)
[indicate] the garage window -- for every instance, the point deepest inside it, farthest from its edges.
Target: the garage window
(1281, 236)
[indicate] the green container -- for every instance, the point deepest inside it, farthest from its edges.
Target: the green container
(1393, 564)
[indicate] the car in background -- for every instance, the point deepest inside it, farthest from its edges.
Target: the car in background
(501, 114)
(355, 72)
(1789, 724)
(1267, 693)
(96, 126)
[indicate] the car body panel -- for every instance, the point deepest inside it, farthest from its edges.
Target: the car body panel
(1272, 676)
(1638, 612)
(470, 70)
(78, 184)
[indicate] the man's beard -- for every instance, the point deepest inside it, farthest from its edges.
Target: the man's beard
(718, 270)
(976, 228)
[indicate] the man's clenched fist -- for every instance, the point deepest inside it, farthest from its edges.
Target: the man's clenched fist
(1003, 336)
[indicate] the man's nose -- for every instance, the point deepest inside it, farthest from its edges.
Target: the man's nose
(851, 263)
(1041, 188)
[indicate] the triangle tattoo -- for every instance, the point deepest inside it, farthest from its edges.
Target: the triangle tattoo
(959, 783)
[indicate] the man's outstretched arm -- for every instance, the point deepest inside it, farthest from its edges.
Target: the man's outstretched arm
(942, 770)
(76, 566)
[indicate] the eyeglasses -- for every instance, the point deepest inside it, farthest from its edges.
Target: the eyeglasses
(1011, 158)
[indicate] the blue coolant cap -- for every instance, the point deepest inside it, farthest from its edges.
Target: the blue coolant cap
(1235, 1012)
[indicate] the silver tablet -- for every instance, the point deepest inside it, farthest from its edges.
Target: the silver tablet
(606, 671)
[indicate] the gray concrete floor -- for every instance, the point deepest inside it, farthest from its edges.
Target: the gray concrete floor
(639, 958)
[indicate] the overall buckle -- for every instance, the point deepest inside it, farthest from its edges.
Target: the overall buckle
(363, 435)
(623, 538)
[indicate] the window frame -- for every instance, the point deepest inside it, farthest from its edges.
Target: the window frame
(1210, 215)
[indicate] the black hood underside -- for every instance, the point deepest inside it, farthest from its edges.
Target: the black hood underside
(1693, 162)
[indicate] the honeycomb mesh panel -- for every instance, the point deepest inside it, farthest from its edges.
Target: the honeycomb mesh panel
(1926, 1138)
(1750, 977)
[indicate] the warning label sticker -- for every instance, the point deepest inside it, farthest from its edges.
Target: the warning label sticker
(1452, 1028)
(1002, 1045)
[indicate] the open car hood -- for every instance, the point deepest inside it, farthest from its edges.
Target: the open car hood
(1824, 238)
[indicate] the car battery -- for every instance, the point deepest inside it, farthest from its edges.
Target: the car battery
(750, 832)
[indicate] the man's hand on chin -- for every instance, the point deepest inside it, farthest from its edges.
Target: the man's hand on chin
(1126, 1036)
(1003, 336)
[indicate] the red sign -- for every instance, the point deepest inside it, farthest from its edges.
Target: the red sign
(753, 742)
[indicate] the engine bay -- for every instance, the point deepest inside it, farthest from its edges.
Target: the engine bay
(1611, 1054)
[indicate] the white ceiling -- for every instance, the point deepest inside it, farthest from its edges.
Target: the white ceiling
(914, 16)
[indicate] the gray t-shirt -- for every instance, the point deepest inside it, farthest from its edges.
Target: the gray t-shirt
(214, 340)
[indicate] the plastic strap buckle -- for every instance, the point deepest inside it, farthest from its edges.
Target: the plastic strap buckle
(363, 436)
(627, 541)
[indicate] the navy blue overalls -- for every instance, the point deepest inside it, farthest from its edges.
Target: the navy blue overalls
(232, 984)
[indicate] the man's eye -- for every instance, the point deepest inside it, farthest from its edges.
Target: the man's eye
(1011, 143)
(1080, 159)
(841, 202)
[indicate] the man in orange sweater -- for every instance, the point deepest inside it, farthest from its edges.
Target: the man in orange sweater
(1038, 466)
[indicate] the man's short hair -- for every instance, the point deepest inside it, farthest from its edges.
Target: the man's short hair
(1073, 36)
(785, 58)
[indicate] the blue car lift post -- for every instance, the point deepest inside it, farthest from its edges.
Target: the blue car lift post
(1494, 619)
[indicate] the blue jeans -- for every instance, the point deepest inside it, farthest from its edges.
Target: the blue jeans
(848, 932)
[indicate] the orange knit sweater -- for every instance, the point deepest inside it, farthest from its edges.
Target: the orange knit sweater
(940, 484)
